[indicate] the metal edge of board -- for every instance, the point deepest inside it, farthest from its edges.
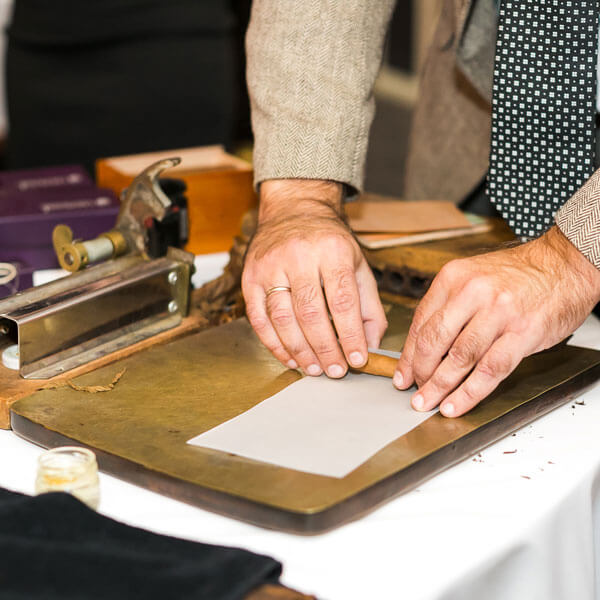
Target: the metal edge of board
(313, 523)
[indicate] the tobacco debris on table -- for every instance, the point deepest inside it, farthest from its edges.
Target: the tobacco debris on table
(91, 389)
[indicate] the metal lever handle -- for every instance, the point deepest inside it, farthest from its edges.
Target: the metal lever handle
(142, 200)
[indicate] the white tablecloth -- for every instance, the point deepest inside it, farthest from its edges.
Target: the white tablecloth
(502, 526)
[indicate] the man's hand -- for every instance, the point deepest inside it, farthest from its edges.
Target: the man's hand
(302, 243)
(482, 315)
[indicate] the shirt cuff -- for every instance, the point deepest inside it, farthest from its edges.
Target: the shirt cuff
(579, 219)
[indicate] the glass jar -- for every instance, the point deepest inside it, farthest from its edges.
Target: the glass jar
(69, 469)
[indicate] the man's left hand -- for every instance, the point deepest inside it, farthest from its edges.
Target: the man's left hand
(482, 315)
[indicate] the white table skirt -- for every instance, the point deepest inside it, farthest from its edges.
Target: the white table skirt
(502, 526)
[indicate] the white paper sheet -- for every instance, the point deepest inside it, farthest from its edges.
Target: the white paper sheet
(319, 425)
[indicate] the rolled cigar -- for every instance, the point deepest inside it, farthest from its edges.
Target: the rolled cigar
(378, 364)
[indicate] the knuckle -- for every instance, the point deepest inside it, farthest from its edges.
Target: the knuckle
(343, 297)
(343, 276)
(432, 335)
(421, 376)
(352, 334)
(327, 352)
(258, 322)
(323, 346)
(438, 327)
(305, 299)
(352, 339)
(470, 393)
(419, 316)
(478, 287)
(450, 270)
(419, 380)
(422, 345)
(339, 242)
(305, 294)
(413, 334)
(528, 326)
(343, 301)
(497, 364)
(505, 299)
(296, 349)
(256, 315)
(309, 314)
(281, 317)
(277, 350)
(303, 354)
(464, 354)
(441, 381)
(247, 274)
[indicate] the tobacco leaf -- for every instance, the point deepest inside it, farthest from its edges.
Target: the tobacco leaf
(90, 389)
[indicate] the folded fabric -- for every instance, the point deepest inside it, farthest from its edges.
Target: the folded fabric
(53, 546)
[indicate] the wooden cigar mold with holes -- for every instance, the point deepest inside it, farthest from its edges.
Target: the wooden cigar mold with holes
(123, 358)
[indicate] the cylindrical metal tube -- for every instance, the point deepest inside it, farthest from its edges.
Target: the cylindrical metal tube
(99, 249)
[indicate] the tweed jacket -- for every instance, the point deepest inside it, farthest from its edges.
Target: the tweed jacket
(311, 71)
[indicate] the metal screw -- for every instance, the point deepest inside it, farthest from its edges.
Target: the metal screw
(172, 278)
(173, 307)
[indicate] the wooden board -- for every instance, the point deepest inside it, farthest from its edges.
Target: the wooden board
(13, 386)
(409, 270)
(173, 392)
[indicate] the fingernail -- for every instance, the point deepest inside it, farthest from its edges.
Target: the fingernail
(335, 371)
(398, 379)
(314, 370)
(292, 364)
(418, 401)
(448, 409)
(356, 359)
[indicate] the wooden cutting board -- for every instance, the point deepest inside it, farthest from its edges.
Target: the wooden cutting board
(173, 392)
(13, 386)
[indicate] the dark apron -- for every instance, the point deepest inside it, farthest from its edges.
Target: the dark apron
(94, 78)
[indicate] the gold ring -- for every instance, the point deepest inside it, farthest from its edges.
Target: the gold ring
(277, 288)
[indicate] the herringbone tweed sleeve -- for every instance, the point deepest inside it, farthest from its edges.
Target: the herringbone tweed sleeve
(311, 69)
(579, 219)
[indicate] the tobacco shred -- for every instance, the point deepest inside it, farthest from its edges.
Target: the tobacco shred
(90, 389)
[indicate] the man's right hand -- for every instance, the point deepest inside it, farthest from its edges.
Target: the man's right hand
(303, 244)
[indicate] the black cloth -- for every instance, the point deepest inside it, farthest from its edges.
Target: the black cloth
(54, 547)
(96, 78)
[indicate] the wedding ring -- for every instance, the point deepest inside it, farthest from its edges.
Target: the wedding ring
(277, 288)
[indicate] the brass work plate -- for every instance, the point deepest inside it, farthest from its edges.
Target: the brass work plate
(173, 392)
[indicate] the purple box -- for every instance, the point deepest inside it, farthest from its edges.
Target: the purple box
(32, 203)
(48, 178)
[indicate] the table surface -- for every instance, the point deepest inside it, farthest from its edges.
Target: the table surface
(504, 524)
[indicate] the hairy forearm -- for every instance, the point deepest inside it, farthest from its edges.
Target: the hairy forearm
(312, 197)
